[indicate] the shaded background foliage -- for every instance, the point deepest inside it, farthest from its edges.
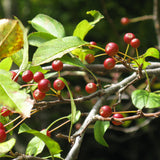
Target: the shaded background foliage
(143, 144)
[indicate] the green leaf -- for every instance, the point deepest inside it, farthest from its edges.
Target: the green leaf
(78, 115)
(100, 128)
(84, 26)
(81, 53)
(56, 48)
(82, 29)
(6, 64)
(152, 52)
(5, 147)
(37, 38)
(44, 23)
(52, 145)
(16, 100)
(97, 16)
(72, 61)
(141, 61)
(35, 146)
(143, 98)
(18, 57)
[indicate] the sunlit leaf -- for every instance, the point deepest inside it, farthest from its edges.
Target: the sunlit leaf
(37, 38)
(44, 23)
(56, 48)
(52, 145)
(11, 37)
(6, 64)
(100, 128)
(143, 98)
(152, 52)
(17, 100)
(5, 147)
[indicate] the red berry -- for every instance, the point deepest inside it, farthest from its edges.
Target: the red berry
(2, 135)
(14, 75)
(38, 95)
(128, 37)
(48, 133)
(58, 84)
(135, 43)
(27, 76)
(89, 58)
(44, 85)
(111, 49)
(109, 63)
(57, 65)
(105, 111)
(125, 20)
(91, 87)
(38, 76)
(5, 112)
(117, 115)
(92, 43)
(2, 126)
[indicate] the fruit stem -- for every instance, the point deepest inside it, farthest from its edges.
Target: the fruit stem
(56, 122)
(95, 46)
(141, 18)
(12, 121)
(54, 91)
(98, 55)
(137, 53)
(27, 85)
(126, 51)
(59, 126)
(124, 112)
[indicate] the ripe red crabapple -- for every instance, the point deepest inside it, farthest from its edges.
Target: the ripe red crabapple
(38, 95)
(38, 76)
(2, 135)
(14, 75)
(128, 37)
(91, 87)
(5, 112)
(135, 43)
(92, 43)
(58, 84)
(44, 85)
(125, 20)
(89, 58)
(2, 126)
(111, 49)
(109, 63)
(117, 115)
(57, 65)
(27, 76)
(105, 111)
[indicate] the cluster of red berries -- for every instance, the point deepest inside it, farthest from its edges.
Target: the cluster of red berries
(5, 111)
(106, 111)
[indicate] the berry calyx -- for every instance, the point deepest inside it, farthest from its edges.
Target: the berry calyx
(57, 65)
(5, 112)
(92, 43)
(38, 95)
(58, 84)
(117, 115)
(109, 63)
(48, 133)
(105, 111)
(91, 87)
(89, 58)
(14, 74)
(38, 76)
(44, 85)
(135, 43)
(111, 49)
(128, 37)
(2, 135)
(125, 20)
(27, 76)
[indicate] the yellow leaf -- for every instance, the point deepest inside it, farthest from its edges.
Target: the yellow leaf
(11, 37)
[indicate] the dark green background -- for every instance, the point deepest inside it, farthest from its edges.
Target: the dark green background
(144, 144)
